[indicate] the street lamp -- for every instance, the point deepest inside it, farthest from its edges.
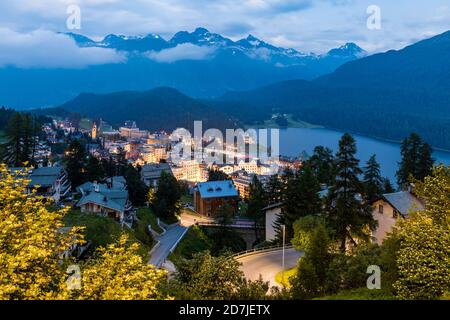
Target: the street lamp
(283, 228)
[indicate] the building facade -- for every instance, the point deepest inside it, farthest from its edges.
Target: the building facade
(209, 197)
(389, 208)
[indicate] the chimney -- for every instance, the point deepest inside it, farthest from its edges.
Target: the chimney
(96, 187)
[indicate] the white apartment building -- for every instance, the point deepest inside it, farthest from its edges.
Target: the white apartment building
(191, 171)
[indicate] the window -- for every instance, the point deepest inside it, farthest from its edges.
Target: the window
(380, 209)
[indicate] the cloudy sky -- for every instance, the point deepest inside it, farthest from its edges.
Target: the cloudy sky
(306, 25)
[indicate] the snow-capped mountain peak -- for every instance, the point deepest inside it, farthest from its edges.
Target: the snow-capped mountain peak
(250, 46)
(347, 50)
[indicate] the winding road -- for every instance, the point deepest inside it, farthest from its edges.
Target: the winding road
(268, 264)
(166, 243)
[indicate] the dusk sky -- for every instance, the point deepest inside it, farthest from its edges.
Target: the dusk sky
(306, 25)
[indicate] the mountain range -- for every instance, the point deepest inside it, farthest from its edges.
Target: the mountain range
(200, 64)
(388, 95)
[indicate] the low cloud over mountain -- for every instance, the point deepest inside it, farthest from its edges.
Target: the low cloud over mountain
(46, 49)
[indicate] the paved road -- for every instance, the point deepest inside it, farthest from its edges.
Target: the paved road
(190, 219)
(268, 264)
(167, 241)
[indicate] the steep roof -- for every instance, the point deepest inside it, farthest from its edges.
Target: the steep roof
(217, 189)
(404, 202)
(42, 176)
(103, 200)
(115, 197)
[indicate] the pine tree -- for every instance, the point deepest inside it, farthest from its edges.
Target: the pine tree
(27, 137)
(426, 162)
(12, 149)
(302, 198)
(348, 216)
(167, 197)
(417, 161)
(137, 189)
(274, 189)
(256, 202)
(75, 159)
(373, 182)
(321, 163)
(94, 170)
(387, 186)
(278, 228)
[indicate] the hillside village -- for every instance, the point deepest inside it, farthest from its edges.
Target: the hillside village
(126, 178)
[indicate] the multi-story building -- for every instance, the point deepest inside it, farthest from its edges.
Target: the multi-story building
(131, 131)
(49, 182)
(242, 181)
(191, 171)
(209, 197)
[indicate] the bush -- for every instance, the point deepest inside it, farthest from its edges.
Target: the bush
(350, 272)
(310, 280)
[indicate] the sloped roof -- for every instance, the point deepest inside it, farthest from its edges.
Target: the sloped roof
(98, 198)
(119, 184)
(217, 189)
(43, 176)
(404, 202)
(114, 198)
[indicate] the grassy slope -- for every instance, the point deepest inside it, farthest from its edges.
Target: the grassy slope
(353, 294)
(102, 230)
(194, 241)
(148, 218)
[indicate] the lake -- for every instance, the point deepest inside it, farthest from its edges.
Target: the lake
(293, 141)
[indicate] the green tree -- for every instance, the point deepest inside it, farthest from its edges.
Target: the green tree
(94, 170)
(310, 280)
(30, 242)
(21, 132)
(118, 272)
(373, 182)
(301, 199)
(417, 161)
(206, 277)
(321, 163)
(274, 190)
(166, 204)
(423, 258)
(350, 271)
(217, 175)
(137, 189)
(27, 137)
(256, 203)
(12, 149)
(387, 186)
(75, 160)
(226, 239)
(304, 229)
(348, 216)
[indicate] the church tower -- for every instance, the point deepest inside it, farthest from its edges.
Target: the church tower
(94, 131)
